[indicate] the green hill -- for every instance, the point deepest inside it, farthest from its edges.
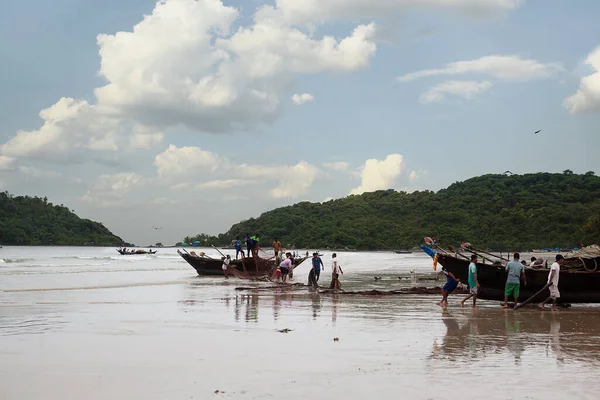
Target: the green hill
(499, 212)
(28, 220)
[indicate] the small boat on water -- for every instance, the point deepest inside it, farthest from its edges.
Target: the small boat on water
(579, 276)
(125, 252)
(208, 266)
(403, 251)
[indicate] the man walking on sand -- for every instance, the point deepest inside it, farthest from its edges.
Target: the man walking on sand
(473, 282)
(553, 277)
(516, 271)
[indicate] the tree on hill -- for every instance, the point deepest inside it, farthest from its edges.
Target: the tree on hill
(26, 220)
(499, 212)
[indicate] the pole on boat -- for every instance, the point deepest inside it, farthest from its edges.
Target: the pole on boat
(532, 297)
(213, 246)
(477, 254)
(452, 249)
(470, 246)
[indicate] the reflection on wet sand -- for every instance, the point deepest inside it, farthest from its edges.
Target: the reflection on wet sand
(566, 335)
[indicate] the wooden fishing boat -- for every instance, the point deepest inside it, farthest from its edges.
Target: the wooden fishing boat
(579, 277)
(208, 266)
(403, 251)
(135, 252)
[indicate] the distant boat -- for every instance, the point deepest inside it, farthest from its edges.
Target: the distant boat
(403, 251)
(135, 252)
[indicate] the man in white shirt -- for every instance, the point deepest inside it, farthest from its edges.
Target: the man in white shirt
(553, 279)
(286, 266)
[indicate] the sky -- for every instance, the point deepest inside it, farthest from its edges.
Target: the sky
(192, 115)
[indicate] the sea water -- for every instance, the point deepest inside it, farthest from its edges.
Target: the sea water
(89, 323)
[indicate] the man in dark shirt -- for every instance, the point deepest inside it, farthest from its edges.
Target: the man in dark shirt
(317, 263)
(248, 243)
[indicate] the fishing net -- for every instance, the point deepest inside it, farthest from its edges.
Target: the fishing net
(263, 265)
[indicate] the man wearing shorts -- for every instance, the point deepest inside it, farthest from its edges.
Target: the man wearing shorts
(473, 282)
(449, 287)
(286, 266)
(553, 278)
(516, 271)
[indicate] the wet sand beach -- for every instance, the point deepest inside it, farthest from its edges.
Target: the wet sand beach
(87, 323)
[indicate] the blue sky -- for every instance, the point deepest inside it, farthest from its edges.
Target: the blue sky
(189, 122)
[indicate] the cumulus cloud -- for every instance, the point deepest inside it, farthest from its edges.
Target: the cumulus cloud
(415, 175)
(6, 163)
(339, 166)
(292, 181)
(587, 97)
(109, 190)
(184, 64)
(223, 184)
(187, 160)
(310, 11)
(380, 174)
(507, 68)
(299, 99)
(39, 173)
(465, 89)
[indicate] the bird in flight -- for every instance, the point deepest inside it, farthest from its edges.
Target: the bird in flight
(508, 172)
(536, 132)
(156, 227)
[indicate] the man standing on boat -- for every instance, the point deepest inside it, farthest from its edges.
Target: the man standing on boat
(553, 278)
(238, 247)
(516, 271)
(248, 243)
(276, 247)
(473, 282)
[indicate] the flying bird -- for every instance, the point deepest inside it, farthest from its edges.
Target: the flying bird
(507, 173)
(536, 132)
(156, 227)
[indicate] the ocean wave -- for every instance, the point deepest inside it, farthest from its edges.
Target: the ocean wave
(14, 260)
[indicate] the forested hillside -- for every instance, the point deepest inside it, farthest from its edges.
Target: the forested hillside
(518, 212)
(28, 220)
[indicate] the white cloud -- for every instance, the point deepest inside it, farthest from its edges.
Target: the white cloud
(186, 160)
(183, 65)
(163, 201)
(38, 173)
(179, 163)
(415, 175)
(587, 97)
(507, 68)
(465, 89)
(6, 163)
(380, 174)
(223, 184)
(71, 127)
(145, 137)
(310, 11)
(339, 166)
(109, 190)
(299, 99)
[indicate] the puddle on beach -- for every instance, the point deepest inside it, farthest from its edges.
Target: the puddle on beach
(174, 335)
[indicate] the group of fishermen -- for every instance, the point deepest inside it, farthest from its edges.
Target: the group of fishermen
(286, 264)
(516, 277)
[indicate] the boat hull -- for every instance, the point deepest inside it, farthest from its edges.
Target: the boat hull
(206, 266)
(574, 286)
